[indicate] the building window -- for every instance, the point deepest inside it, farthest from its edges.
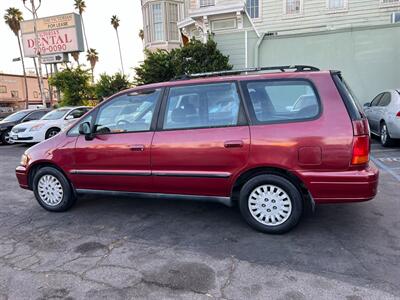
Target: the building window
(253, 8)
(147, 30)
(224, 24)
(293, 7)
(173, 22)
(3, 89)
(337, 4)
(158, 22)
(35, 95)
(14, 94)
(205, 3)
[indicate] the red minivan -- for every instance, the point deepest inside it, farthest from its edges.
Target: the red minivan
(274, 142)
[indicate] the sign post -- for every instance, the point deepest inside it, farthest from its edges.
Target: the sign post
(51, 39)
(57, 34)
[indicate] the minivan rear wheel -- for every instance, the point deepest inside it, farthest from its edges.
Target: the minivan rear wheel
(52, 190)
(271, 204)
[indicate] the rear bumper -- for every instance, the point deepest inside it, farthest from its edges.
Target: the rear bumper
(394, 128)
(342, 187)
(22, 177)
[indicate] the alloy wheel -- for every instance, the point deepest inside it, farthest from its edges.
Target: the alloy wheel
(52, 133)
(384, 134)
(8, 139)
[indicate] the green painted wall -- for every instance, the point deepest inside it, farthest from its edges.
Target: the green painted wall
(232, 44)
(369, 59)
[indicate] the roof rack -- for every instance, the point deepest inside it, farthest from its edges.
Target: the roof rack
(296, 68)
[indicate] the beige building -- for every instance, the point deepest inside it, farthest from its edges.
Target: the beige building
(160, 23)
(12, 91)
(359, 37)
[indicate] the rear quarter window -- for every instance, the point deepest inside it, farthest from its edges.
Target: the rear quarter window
(277, 101)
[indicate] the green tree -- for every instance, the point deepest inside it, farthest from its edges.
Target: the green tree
(13, 19)
(198, 57)
(74, 84)
(108, 85)
(115, 22)
(93, 57)
(157, 67)
(75, 56)
(80, 6)
(194, 57)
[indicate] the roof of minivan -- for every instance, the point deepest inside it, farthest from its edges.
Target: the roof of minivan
(254, 76)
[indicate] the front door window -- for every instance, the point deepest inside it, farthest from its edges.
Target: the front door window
(131, 112)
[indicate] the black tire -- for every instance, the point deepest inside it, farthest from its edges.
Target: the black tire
(294, 196)
(5, 138)
(68, 198)
(52, 132)
(386, 140)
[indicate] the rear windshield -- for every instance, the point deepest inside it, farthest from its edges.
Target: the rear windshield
(353, 106)
(16, 116)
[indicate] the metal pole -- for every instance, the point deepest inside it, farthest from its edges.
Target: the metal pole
(50, 87)
(57, 90)
(39, 55)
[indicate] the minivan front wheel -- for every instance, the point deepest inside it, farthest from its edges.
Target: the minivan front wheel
(271, 204)
(52, 190)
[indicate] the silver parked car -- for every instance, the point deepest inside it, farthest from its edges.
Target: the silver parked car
(383, 115)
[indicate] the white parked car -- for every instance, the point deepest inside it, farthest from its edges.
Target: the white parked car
(383, 115)
(48, 126)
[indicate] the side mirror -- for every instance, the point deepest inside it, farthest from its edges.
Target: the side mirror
(368, 104)
(85, 129)
(69, 117)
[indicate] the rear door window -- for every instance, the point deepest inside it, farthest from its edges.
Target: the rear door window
(376, 100)
(202, 106)
(275, 101)
(35, 115)
(385, 101)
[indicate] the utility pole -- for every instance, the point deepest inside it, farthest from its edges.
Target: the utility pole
(34, 10)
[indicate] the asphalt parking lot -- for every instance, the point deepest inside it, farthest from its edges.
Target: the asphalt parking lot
(125, 248)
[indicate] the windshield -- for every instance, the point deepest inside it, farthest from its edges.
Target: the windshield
(55, 114)
(16, 116)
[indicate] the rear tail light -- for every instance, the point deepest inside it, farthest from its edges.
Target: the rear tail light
(361, 142)
(398, 114)
(361, 148)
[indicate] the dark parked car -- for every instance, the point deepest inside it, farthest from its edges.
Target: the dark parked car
(231, 139)
(16, 118)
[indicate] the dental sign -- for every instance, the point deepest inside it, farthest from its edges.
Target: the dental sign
(57, 34)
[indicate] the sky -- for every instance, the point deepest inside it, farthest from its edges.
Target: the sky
(101, 35)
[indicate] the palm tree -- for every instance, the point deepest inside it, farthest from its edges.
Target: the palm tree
(75, 56)
(13, 19)
(141, 34)
(115, 23)
(80, 6)
(93, 57)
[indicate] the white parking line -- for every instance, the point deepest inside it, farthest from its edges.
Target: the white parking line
(384, 167)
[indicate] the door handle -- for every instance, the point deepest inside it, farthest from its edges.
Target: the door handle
(233, 144)
(137, 148)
